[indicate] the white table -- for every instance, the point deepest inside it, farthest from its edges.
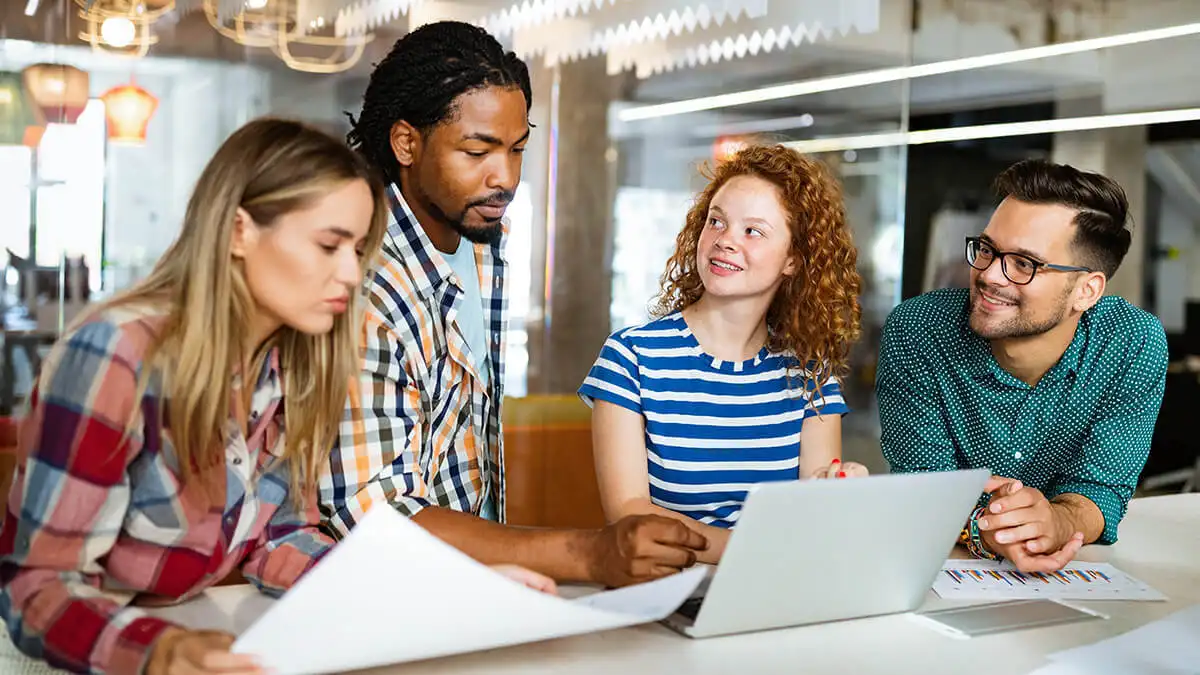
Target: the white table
(1159, 543)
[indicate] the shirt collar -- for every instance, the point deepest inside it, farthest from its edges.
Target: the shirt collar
(416, 252)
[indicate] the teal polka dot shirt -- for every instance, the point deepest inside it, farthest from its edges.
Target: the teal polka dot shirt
(946, 404)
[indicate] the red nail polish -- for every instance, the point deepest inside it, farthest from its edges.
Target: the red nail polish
(841, 474)
(837, 461)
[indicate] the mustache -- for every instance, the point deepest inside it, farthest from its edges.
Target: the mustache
(501, 198)
(984, 288)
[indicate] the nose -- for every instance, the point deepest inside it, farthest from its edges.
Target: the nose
(994, 274)
(506, 173)
(725, 241)
(349, 270)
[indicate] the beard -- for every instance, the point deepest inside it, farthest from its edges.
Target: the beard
(1020, 326)
(488, 233)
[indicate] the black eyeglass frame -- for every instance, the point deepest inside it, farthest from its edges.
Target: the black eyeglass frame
(1002, 256)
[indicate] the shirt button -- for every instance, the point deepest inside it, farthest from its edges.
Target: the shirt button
(238, 460)
(1017, 455)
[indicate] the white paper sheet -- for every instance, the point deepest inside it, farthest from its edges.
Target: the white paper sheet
(991, 580)
(391, 592)
(1169, 646)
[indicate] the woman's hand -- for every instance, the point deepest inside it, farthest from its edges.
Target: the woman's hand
(199, 652)
(537, 582)
(839, 469)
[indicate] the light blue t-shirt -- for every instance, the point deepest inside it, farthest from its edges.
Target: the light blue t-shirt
(470, 311)
(474, 329)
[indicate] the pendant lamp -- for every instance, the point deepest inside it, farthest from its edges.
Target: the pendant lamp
(128, 109)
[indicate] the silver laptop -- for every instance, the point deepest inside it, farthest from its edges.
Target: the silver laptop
(808, 552)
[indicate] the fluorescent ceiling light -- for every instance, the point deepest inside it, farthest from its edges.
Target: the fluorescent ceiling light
(31, 7)
(881, 76)
(951, 134)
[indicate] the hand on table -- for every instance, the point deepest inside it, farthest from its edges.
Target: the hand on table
(526, 577)
(839, 469)
(1021, 525)
(643, 547)
(199, 652)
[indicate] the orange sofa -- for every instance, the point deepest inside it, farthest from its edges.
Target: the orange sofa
(549, 475)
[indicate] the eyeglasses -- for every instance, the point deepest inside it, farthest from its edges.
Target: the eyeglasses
(1017, 268)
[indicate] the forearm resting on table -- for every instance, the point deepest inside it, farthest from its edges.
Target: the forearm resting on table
(717, 537)
(1078, 514)
(563, 555)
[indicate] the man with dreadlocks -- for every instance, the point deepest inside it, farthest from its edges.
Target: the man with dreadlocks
(445, 119)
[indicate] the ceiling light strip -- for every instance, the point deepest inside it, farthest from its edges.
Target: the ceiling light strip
(896, 74)
(1005, 130)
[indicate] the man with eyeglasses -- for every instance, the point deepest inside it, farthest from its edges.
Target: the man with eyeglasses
(1032, 372)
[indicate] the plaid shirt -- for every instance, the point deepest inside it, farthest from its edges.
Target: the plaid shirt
(420, 429)
(93, 524)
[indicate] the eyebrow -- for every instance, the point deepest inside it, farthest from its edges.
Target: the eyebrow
(492, 140)
(1023, 251)
(343, 233)
(751, 219)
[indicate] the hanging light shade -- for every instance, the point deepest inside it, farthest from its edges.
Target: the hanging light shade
(17, 112)
(59, 91)
(128, 109)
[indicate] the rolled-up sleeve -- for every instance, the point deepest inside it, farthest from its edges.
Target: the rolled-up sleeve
(1111, 459)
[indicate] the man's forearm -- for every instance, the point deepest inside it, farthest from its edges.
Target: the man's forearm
(1077, 513)
(563, 555)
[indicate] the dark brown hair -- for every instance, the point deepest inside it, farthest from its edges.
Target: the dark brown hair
(1101, 238)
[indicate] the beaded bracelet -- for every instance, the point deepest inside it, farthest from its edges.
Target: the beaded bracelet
(974, 541)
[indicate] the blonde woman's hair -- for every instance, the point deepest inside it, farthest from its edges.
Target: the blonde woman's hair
(269, 167)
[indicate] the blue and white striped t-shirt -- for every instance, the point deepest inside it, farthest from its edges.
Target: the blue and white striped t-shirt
(713, 427)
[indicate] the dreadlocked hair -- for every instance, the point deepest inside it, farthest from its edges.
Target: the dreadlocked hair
(420, 79)
(815, 312)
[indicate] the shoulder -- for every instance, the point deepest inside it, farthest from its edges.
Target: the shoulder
(933, 314)
(121, 334)
(100, 358)
(1116, 323)
(661, 332)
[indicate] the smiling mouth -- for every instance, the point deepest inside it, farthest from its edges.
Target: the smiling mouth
(725, 266)
(994, 300)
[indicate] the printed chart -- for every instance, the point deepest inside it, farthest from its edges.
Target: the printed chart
(987, 579)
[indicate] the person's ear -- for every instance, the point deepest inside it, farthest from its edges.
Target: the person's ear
(1091, 289)
(406, 143)
(789, 268)
(245, 234)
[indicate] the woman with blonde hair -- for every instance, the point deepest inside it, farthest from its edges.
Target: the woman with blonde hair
(175, 433)
(735, 382)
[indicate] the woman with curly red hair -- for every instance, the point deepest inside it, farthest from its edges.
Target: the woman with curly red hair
(735, 382)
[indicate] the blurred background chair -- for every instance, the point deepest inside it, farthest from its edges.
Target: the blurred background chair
(549, 472)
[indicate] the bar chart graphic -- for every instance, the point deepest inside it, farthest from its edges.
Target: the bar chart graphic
(986, 579)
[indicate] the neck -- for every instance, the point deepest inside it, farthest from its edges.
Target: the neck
(731, 330)
(1029, 358)
(443, 237)
(261, 330)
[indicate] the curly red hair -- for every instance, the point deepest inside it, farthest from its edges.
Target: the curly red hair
(815, 313)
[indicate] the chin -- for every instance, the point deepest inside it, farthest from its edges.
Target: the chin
(988, 330)
(482, 233)
(316, 325)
